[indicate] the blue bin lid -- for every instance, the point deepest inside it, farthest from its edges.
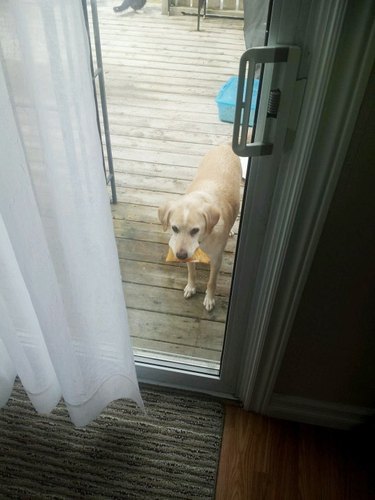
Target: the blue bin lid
(228, 92)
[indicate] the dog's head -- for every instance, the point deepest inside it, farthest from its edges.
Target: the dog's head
(190, 223)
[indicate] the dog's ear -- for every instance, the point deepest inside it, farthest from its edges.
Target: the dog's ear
(164, 213)
(211, 215)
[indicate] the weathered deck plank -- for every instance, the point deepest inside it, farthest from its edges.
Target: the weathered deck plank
(176, 279)
(162, 77)
(150, 251)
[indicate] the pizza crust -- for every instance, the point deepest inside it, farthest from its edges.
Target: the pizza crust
(198, 256)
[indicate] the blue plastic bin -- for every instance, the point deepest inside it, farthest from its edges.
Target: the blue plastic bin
(226, 100)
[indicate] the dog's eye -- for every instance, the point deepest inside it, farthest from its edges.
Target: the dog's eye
(175, 229)
(194, 231)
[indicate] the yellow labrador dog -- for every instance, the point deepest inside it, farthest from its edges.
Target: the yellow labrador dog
(204, 216)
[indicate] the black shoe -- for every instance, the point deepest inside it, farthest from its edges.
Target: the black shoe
(121, 8)
(134, 4)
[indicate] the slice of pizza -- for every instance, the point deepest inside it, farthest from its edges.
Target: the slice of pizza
(198, 256)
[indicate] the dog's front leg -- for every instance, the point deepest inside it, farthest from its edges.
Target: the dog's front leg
(190, 289)
(209, 299)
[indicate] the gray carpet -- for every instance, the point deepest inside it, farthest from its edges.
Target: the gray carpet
(171, 452)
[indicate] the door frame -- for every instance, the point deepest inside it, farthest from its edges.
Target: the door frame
(337, 81)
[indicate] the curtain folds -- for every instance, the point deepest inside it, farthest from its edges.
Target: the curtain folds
(63, 322)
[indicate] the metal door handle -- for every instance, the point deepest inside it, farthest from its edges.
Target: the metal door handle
(277, 98)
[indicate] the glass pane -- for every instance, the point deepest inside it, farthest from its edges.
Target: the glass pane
(167, 105)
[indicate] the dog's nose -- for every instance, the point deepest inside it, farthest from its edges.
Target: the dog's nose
(182, 254)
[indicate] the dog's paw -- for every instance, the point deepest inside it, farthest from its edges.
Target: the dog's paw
(189, 291)
(209, 303)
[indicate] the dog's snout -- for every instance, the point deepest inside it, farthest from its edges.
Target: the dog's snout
(182, 254)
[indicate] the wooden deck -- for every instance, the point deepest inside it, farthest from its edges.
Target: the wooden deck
(162, 77)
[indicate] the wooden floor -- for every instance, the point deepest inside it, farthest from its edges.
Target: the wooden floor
(269, 459)
(161, 78)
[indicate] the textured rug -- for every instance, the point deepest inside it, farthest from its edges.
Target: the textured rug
(171, 452)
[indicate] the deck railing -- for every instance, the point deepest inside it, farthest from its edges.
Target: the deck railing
(236, 5)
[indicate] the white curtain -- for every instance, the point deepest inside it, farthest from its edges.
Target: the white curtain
(63, 323)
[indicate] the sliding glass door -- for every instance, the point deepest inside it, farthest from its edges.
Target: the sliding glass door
(282, 23)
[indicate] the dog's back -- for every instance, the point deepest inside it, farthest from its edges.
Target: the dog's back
(219, 174)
